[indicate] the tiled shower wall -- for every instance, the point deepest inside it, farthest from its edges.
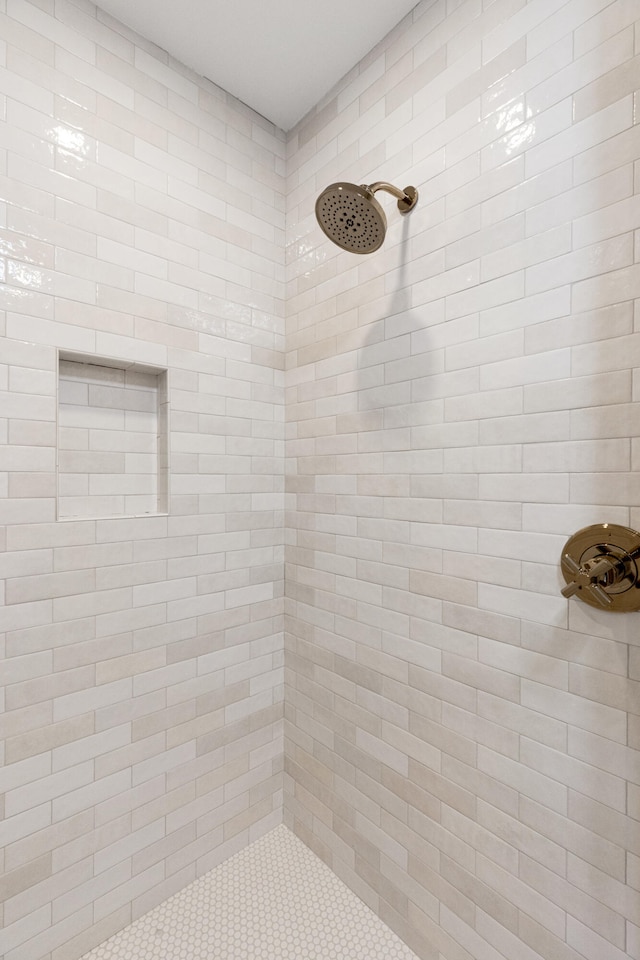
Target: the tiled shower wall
(462, 742)
(141, 221)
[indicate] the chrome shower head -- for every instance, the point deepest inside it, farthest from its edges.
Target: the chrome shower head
(353, 219)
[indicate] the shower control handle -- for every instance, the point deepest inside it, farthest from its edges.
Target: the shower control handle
(600, 565)
(593, 576)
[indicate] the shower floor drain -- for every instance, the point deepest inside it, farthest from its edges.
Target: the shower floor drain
(275, 900)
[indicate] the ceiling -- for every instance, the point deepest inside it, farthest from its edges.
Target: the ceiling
(278, 56)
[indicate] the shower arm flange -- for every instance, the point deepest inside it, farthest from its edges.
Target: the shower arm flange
(406, 198)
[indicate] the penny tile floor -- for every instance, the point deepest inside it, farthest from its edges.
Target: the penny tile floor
(274, 900)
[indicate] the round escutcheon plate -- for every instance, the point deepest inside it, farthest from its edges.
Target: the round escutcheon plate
(607, 541)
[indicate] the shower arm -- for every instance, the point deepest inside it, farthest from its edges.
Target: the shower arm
(406, 198)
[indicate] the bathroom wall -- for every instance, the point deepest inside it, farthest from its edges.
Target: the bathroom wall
(461, 741)
(141, 222)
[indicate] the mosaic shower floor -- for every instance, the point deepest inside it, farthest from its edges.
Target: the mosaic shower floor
(274, 900)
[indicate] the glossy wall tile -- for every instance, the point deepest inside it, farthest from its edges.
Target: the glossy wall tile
(461, 742)
(143, 660)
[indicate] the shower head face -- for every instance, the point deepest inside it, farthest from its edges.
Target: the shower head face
(351, 217)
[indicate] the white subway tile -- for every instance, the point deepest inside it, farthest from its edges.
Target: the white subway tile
(578, 393)
(600, 259)
(449, 470)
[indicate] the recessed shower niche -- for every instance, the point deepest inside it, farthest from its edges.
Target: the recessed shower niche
(113, 455)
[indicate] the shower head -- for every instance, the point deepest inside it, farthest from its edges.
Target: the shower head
(351, 216)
